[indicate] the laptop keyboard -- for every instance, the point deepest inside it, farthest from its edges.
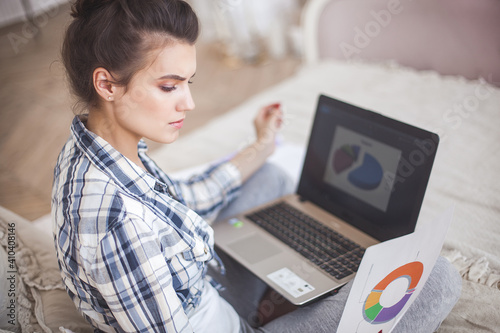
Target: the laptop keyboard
(325, 248)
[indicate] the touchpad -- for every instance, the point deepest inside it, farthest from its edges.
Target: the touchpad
(254, 248)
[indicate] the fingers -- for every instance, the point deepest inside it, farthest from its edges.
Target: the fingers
(268, 123)
(273, 115)
(274, 106)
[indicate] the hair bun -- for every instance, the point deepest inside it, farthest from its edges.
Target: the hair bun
(85, 8)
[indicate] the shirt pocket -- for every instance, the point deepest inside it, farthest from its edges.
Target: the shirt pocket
(200, 252)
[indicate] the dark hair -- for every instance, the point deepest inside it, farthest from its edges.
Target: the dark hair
(117, 34)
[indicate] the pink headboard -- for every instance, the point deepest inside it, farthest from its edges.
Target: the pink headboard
(457, 37)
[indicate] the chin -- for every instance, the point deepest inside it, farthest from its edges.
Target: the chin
(166, 140)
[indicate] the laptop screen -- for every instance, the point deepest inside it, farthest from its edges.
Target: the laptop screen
(369, 170)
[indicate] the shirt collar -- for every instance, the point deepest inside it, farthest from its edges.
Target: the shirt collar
(142, 147)
(123, 171)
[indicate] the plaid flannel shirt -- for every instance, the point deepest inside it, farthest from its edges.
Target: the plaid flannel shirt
(133, 245)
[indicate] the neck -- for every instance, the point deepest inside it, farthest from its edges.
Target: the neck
(104, 125)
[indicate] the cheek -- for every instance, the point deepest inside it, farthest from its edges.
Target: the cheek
(137, 102)
(138, 95)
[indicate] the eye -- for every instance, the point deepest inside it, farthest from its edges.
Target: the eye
(168, 88)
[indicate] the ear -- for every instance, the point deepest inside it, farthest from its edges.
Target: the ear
(103, 84)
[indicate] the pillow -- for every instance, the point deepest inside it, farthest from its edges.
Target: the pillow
(44, 305)
(60, 311)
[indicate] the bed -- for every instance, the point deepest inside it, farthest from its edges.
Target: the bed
(433, 64)
(464, 174)
(449, 87)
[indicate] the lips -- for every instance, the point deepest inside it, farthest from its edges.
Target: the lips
(178, 124)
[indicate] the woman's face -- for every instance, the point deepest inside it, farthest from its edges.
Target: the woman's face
(155, 103)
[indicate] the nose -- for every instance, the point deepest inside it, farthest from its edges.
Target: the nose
(187, 103)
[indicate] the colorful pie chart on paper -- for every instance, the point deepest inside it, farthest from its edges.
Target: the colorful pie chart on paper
(374, 312)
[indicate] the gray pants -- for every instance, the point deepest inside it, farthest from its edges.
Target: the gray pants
(245, 292)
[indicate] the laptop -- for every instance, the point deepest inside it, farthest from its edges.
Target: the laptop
(362, 182)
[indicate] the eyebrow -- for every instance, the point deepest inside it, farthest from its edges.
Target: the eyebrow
(174, 77)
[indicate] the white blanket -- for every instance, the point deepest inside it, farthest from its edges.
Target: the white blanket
(466, 115)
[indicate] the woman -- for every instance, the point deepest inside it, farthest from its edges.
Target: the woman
(133, 244)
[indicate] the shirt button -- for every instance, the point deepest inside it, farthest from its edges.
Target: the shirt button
(159, 187)
(206, 250)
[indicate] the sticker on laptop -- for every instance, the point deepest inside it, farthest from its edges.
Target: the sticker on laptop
(290, 282)
(236, 223)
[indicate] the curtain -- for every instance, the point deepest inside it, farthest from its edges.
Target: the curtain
(248, 28)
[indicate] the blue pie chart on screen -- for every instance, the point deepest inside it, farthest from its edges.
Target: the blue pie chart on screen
(368, 175)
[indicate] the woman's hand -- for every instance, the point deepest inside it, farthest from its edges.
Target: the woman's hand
(267, 124)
